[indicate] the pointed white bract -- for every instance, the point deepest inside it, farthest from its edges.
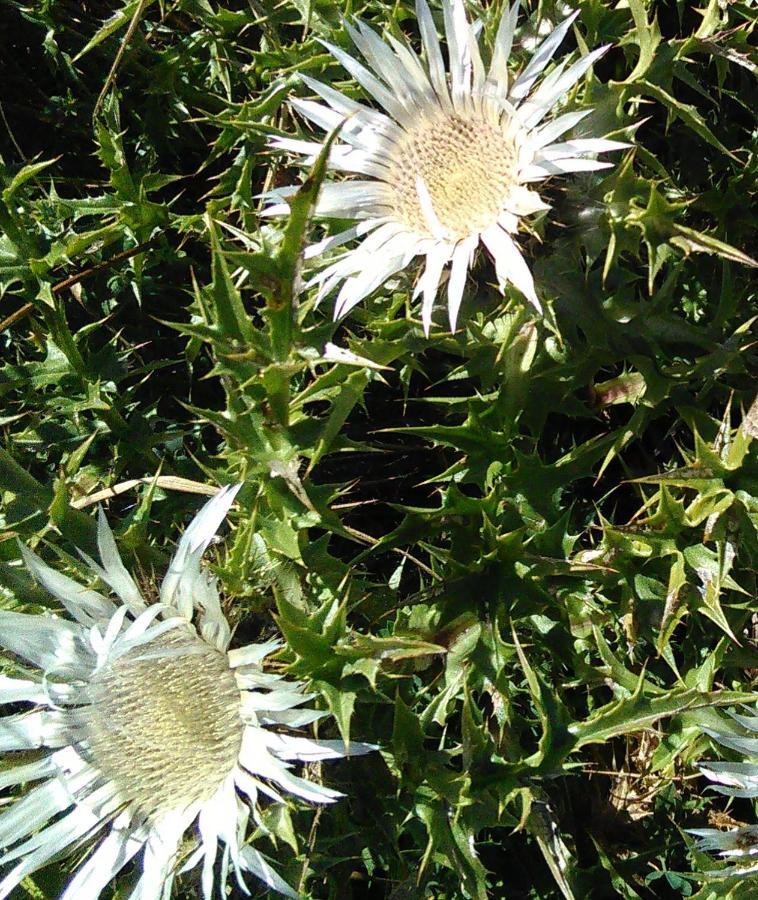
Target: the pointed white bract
(445, 165)
(155, 730)
(735, 779)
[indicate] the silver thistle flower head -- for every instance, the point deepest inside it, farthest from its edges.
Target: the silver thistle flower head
(448, 163)
(151, 724)
(735, 779)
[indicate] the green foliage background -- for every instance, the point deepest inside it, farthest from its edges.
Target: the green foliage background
(522, 558)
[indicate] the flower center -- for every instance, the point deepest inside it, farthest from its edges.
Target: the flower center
(165, 728)
(468, 167)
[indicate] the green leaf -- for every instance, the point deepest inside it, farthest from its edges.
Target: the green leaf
(341, 703)
(113, 24)
(646, 35)
(692, 241)
(555, 741)
(638, 712)
(349, 393)
(387, 648)
(27, 172)
(281, 301)
(228, 309)
(685, 111)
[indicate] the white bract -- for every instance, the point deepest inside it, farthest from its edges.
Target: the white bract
(152, 726)
(448, 162)
(735, 779)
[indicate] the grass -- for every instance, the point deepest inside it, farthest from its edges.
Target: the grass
(521, 557)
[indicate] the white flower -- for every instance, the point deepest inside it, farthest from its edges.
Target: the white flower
(735, 779)
(448, 162)
(735, 842)
(152, 724)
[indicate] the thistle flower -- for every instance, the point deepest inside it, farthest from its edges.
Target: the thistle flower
(735, 779)
(152, 725)
(448, 162)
